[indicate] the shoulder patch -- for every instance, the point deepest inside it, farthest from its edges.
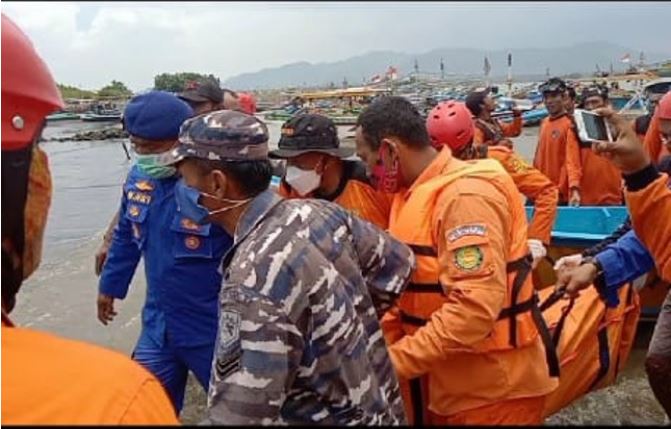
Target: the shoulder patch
(464, 230)
(468, 258)
(229, 329)
(518, 165)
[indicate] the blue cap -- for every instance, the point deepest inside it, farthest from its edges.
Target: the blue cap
(156, 115)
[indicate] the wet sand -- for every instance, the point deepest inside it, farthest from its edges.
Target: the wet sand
(61, 296)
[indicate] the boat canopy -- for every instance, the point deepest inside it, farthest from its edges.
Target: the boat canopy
(340, 93)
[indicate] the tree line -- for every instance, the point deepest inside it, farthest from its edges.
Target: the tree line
(171, 82)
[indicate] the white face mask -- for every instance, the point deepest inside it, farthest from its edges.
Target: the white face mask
(302, 181)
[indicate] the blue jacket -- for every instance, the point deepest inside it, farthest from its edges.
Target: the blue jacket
(623, 261)
(181, 260)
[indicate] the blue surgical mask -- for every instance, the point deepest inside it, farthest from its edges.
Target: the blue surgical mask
(187, 203)
(150, 165)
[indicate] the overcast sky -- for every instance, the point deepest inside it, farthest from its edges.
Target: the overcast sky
(89, 44)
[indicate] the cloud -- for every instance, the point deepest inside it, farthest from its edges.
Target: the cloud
(89, 44)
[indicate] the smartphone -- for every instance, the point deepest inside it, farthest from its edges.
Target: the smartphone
(591, 127)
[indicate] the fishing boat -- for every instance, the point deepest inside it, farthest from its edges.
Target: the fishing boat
(63, 116)
(578, 228)
(102, 115)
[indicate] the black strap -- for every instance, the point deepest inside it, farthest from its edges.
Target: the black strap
(523, 268)
(514, 310)
(412, 320)
(550, 350)
(604, 353)
(425, 288)
(560, 324)
(519, 264)
(417, 402)
(423, 250)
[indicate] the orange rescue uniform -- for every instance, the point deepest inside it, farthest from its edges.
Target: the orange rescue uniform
(535, 186)
(468, 323)
(57, 381)
(601, 182)
(558, 154)
(650, 208)
(653, 142)
(355, 194)
(491, 133)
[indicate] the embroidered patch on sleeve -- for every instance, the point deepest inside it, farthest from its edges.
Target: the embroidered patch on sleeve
(464, 230)
(468, 258)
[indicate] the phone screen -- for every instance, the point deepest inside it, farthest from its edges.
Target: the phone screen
(595, 126)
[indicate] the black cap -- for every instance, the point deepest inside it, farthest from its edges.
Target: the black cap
(199, 92)
(310, 133)
(554, 84)
(594, 90)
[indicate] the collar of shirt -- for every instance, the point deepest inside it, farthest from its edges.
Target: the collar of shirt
(258, 209)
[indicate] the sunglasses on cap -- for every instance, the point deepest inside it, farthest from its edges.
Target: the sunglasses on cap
(551, 87)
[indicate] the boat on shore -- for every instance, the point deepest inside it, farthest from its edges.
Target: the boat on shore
(102, 115)
(63, 116)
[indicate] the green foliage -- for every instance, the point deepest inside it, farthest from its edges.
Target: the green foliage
(176, 82)
(68, 91)
(115, 89)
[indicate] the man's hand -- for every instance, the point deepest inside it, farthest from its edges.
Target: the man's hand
(106, 311)
(573, 280)
(101, 257)
(506, 143)
(570, 261)
(538, 251)
(627, 152)
(574, 199)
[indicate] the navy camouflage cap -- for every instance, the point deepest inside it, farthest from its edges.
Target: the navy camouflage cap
(223, 135)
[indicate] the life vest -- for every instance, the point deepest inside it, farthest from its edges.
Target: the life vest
(519, 322)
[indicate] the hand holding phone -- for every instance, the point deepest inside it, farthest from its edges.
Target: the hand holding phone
(592, 127)
(627, 153)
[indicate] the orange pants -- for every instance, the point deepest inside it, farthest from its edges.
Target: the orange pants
(523, 411)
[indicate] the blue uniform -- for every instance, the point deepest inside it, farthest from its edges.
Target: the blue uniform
(623, 261)
(182, 266)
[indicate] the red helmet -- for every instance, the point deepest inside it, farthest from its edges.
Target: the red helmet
(29, 93)
(247, 102)
(664, 106)
(450, 123)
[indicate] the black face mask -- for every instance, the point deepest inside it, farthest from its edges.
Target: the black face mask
(15, 169)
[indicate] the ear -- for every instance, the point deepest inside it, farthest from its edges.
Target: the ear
(322, 164)
(220, 184)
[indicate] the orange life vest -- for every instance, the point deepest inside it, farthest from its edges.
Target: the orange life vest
(520, 321)
(424, 294)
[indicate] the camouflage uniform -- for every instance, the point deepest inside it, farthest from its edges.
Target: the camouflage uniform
(305, 284)
(299, 338)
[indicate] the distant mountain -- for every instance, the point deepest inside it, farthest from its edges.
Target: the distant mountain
(580, 58)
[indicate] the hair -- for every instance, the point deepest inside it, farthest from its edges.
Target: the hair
(393, 116)
(570, 91)
(231, 92)
(252, 177)
(475, 100)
